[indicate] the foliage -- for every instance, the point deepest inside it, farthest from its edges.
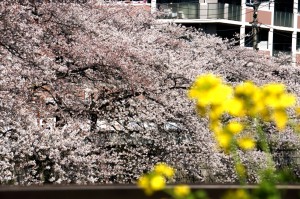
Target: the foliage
(114, 80)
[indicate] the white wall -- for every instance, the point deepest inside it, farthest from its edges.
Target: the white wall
(211, 1)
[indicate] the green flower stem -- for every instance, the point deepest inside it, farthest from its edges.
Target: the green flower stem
(241, 177)
(264, 146)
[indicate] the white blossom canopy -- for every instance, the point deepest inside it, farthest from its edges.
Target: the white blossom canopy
(114, 80)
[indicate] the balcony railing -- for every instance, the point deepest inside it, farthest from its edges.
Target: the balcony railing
(200, 11)
(179, 10)
(283, 19)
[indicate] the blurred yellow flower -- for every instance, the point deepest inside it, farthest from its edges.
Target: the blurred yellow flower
(216, 126)
(235, 107)
(287, 100)
(257, 108)
(283, 101)
(246, 143)
(280, 118)
(265, 114)
(246, 89)
(234, 127)
(215, 112)
(209, 90)
(157, 182)
(207, 81)
(275, 96)
(215, 99)
(203, 84)
(164, 169)
(238, 194)
(224, 140)
(242, 194)
(297, 110)
(181, 191)
(144, 183)
(273, 89)
(220, 94)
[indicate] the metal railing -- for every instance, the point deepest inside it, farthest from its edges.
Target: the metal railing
(179, 10)
(200, 11)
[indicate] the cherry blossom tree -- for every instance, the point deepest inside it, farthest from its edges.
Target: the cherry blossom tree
(96, 93)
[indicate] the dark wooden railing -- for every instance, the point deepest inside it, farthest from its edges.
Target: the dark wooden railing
(118, 191)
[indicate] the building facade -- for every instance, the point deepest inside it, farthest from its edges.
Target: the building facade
(278, 25)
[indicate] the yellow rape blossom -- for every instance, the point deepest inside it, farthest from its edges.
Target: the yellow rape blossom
(216, 99)
(234, 127)
(207, 81)
(224, 140)
(242, 194)
(297, 109)
(164, 169)
(216, 126)
(265, 114)
(209, 90)
(273, 89)
(282, 101)
(246, 143)
(250, 95)
(246, 89)
(275, 96)
(238, 194)
(181, 191)
(287, 100)
(157, 183)
(215, 112)
(280, 118)
(155, 180)
(202, 84)
(258, 108)
(220, 94)
(235, 107)
(144, 183)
